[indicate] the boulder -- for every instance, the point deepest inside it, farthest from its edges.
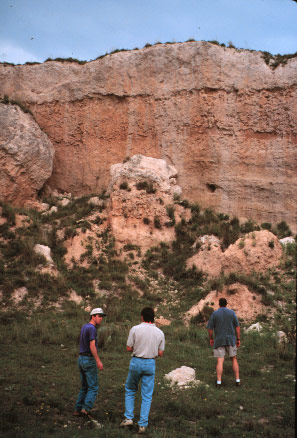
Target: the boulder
(45, 251)
(26, 155)
(281, 337)
(182, 377)
(254, 328)
(287, 240)
(141, 168)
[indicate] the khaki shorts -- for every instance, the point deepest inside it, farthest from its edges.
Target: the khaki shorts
(221, 351)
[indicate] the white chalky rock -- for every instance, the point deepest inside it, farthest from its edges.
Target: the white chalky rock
(254, 327)
(182, 377)
(45, 251)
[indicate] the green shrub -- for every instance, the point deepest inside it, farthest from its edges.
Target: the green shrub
(8, 212)
(283, 230)
(266, 226)
(147, 186)
(157, 223)
(124, 185)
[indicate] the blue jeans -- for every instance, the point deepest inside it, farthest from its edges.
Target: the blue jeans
(89, 383)
(143, 369)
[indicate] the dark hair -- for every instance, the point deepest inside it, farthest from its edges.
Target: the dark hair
(148, 314)
(222, 302)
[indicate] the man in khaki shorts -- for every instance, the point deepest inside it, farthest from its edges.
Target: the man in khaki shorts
(224, 324)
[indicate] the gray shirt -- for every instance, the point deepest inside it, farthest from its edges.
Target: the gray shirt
(223, 321)
(146, 339)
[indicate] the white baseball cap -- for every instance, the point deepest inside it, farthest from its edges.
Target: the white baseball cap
(97, 311)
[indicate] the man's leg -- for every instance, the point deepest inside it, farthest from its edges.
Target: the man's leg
(83, 391)
(147, 389)
(91, 374)
(219, 368)
(131, 387)
(235, 367)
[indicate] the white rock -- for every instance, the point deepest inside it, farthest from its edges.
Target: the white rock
(281, 337)
(254, 328)
(45, 251)
(182, 376)
(142, 168)
(287, 240)
(64, 202)
(96, 201)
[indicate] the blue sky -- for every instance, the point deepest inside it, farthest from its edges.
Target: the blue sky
(34, 30)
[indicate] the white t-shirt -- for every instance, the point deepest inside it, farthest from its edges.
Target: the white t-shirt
(146, 339)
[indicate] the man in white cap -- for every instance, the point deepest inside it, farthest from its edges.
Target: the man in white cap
(88, 362)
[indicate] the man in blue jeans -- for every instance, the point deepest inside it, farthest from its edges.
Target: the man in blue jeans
(88, 362)
(146, 342)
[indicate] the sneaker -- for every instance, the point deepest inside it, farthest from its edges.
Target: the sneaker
(218, 385)
(126, 423)
(237, 383)
(76, 413)
(85, 413)
(141, 429)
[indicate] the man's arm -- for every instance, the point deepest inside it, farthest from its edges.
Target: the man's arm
(129, 349)
(95, 354)
(237, 336)
(211, 341)
(160, 353)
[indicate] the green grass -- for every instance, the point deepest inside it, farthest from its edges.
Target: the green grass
(40, 381)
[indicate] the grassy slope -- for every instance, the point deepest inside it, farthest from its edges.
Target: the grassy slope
(39, 380)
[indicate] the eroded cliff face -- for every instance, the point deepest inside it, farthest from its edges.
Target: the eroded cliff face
(223, 118)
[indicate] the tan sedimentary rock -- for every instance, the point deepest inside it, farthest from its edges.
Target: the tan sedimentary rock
(245, 303)
(222, 117)
(257, 251)
(26, 155)
(138, 216)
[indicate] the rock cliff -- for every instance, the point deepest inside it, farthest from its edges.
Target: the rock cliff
(26, 155)
(222, 117)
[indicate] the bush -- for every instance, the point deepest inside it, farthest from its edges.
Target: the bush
(147, 186)
(157, 223)
(124, 185)
(283, 230)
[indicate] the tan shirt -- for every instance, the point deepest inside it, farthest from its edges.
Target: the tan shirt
(146, 340)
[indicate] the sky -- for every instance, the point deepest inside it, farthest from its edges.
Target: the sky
(35, 30)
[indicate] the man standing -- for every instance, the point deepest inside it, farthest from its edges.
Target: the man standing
(88, 362)
(224, 323)
(146, 342)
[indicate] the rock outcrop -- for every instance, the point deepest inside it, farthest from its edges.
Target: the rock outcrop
(141, 193)
(222, 117)
(26, 155)
(245, 303)
(257, 251)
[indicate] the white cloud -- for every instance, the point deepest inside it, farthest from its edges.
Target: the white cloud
(15, 54)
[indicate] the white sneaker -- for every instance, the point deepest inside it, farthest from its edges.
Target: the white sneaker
(141, 429)
(126, 423)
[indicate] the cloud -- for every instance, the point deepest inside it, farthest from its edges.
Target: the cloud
(15, 54)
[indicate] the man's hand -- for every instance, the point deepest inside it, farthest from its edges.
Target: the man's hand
(211, 342)
(100, 365)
